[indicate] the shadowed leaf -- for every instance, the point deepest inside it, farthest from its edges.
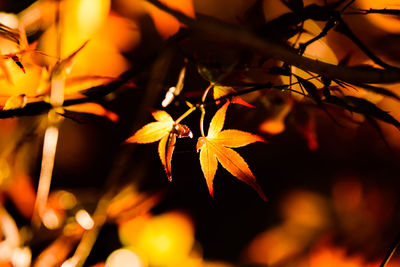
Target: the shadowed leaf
(165, 149)
(367, 108)
(311, 89)
(222, 91)
(378, 90)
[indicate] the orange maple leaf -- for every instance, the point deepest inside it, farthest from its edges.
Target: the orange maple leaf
(164, 130)
(95, 109)
(216, 146)
(221, 91)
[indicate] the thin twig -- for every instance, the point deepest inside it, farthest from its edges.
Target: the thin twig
(385, 11)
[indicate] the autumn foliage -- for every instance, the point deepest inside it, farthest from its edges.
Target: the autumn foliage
(80, 180)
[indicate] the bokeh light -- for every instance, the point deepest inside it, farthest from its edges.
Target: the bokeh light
(124, 258)
(167, 238)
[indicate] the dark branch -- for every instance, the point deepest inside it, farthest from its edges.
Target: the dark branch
(213, 28)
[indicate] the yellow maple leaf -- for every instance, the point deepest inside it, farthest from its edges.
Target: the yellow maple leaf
(164, 130)
(216, 146)
(15, 102)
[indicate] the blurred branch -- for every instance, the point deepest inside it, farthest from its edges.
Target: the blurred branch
(391, 252)
(213, 28)
(89, 237)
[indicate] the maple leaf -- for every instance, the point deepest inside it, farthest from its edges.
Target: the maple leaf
(221, 91)
(164, 130)
(216, 146)
(15, 102)
(95, 109)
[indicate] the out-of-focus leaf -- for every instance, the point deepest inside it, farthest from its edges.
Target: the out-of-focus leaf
(338, 101)
(57, 252)
(378, 90)
(214, 148)
(16, 101)
(22, 193)
(94, 108)
(221, 91)
(23, 40)
(278, 110)
(365, 107)
(305, 124)
(128, 203)
(8, 33)
(5, 71)
(312, 91)
(65, 65)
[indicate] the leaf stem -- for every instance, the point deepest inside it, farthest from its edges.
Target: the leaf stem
(203, 111)
(203, 98)
(203, 114)
(184, 115)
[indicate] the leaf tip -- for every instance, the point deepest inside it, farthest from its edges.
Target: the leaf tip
(238, 100)
(262, 195)
(200, 143)
(169, 175)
